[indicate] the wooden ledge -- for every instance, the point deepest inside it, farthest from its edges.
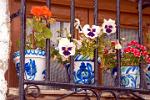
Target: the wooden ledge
(54, 94)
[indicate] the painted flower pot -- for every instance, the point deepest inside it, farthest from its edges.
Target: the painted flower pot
(130, 76)
(34, 64)
(148, 75)
(83, 70)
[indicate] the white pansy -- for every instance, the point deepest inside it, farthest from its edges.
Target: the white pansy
(109, 26)
(66, 48)
(91, 32)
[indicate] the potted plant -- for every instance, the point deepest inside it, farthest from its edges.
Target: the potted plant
(132, 56)
(35, 43)
(83, 49)
(108, 62)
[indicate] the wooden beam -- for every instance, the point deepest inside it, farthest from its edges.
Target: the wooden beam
(109, 5)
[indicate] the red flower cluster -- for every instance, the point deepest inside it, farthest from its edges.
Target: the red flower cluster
(137, 50)
(41, 11)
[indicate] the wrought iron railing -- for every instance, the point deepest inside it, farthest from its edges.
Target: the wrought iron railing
(96, 88)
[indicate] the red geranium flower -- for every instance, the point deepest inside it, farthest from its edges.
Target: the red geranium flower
(148, 60)
(41, 11)
(133, 42)
(128, 49)
(142, 47)
(134, 53)
(36, 11)
(144, 53)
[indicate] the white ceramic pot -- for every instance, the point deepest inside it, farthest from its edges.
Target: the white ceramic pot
(83, 70)
(130, 76)
(35, 61)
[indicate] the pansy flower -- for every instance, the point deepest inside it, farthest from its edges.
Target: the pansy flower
(109, 26)
(91, 32)
(66, 48)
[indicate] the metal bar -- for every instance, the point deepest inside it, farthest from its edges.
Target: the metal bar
(118, 38)
(140, 38)
(22, 50)
(14, 15)
(48, 59)
(138, 96)
(96, 12)
(48, 3)
(72, 18)
(96, 69)
(85, 86)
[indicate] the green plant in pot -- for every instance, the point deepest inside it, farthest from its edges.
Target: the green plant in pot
(38, 32)
(84, 54)
(131, 56)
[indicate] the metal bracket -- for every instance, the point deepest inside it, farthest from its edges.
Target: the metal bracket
(14, 15)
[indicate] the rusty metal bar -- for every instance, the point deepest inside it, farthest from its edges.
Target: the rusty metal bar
(72, 18)
(96, 69)
(118, 38)
(14, 15)
(47, 59)
(48, 3)
(85, 86)
(22, 50)
(140, 38)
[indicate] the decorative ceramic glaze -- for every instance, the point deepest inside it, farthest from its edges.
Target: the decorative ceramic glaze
(83, 70)
(148, 75)
(130, 76)
(34, 64)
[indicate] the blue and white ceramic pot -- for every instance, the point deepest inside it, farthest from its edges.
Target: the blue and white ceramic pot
(34, 64)
(130, 76)
(83, 70)
(148, 75)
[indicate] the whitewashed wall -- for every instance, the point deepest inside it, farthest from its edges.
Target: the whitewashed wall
(4, 45)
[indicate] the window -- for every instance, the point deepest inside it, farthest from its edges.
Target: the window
(128, 34)
(57, 27)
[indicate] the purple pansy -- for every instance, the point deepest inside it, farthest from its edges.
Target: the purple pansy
(109, 26)
(66, 48)
(91, 32)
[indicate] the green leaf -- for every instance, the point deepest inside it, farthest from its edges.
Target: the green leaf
(38, 27)
(38, 37)
(29, 22)
(40, 44)
(47, 33)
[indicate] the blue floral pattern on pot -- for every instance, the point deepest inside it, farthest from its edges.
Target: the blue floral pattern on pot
(34, 64)
(30, 69)
(130, 76)
(83, 70)
(148, 75)
(36, 52)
